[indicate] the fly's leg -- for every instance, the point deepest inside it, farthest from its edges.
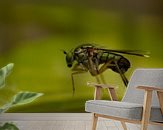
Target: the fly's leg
(93, 69)
(103, 68)
(77, 69)
(98, 79)
(92, 65)
(125, 80)
(106, 66)
(111, 91)
(72, 78)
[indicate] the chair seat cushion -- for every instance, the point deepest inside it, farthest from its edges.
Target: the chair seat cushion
(131, 111)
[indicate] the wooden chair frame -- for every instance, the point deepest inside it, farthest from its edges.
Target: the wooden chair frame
(146, 106)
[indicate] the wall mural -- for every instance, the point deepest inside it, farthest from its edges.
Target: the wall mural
(34, 35)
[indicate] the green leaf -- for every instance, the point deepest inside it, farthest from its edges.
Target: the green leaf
(5, 108)
(8, 126)
(4, 72)
(24, 98)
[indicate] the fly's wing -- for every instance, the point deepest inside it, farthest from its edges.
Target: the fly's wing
(129, 52)
(83, 48)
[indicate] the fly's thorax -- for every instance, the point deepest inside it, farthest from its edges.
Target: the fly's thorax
(81, 57)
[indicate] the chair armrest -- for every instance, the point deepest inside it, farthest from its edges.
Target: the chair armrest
(91, 84)
(148, 101)
(147, 88)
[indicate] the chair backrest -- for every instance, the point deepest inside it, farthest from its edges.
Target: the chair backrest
(143, 77)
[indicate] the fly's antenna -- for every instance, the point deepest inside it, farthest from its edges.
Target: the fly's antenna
(63, 51)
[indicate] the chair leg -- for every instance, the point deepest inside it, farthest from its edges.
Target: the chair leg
(124, 125)
(144, 127)
(146, 109)
(94, 123)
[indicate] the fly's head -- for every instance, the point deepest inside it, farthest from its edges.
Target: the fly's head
(69, 58)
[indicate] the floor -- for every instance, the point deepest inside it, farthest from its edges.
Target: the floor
(58, 121)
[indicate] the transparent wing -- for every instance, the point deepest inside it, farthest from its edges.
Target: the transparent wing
(83, 48)
(129, 52)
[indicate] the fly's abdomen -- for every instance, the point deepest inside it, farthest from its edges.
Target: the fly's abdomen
(122, 63)
(104, 57)
(116, 61)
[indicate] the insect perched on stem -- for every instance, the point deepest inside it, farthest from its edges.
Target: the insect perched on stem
(93, 59)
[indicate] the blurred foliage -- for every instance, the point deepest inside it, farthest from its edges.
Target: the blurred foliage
(20, 98)
(8, 126)
(33, 33)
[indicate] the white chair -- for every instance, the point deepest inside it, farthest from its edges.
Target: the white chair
(142, 103)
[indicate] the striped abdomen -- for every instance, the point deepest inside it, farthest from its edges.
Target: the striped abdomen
(121, 61)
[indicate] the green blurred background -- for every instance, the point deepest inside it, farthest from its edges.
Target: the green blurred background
(33, 33)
